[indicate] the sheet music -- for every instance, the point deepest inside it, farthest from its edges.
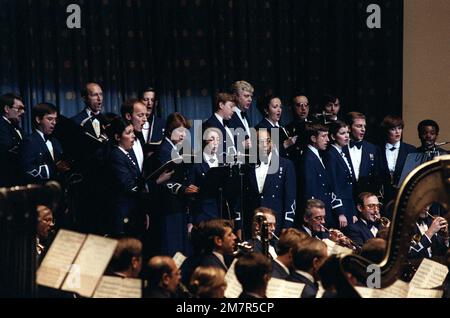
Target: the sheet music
(179, 259)
(234, 288)
(397, 290)
(429, 275)
(424, 293)
(119, 287)
(90, 265)
(279, 288)
(59, 258)
(335, 249)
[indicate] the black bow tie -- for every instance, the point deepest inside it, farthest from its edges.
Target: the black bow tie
(392, 148)
(226, 123)
(370, 224)
(244, 115)
(358, 144)
(140, 137)
(46, 137)
(93, 117)
(421, 221)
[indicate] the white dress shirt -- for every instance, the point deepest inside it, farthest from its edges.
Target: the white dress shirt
(95, 123)
(355, 156)
(261, 173)
(243, 120)
(392, 155)
(137, 149)
(373, 229)
(339, 149)
(230, 135)
(212, 161)
(48, 143)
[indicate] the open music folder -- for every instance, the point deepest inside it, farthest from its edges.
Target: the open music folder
(76, 263)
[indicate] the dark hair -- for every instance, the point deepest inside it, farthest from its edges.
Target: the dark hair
(363, 196)
(335, 126)
(212, 229)
(374, 250)
(250, 270)
(145, 90)
(126, 249)
(222, 98)
(427, 122)
(264, 102)
(42, 109)
(314, 130)
(326, 99)
(389, 122)
(174, 121)
(306, 251)
(8, 100)
(128, 106)
(117, 127)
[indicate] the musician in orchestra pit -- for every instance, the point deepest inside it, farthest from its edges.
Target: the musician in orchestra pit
(11, 136)
(163, 278)
(44, 227)
(340, 172)
(271, 108)
(91, 118)
(309, 255)
(393, 155)
(256, 241)
(208, 282)
(253, 272)
(41, 154)
(374, 250)
(366, 227)
(219, 243)
(134, 111)
(283, 264)
(429, 238)
(153, 129)
(127, 258)
(428, 131)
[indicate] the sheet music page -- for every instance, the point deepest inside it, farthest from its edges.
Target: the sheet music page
(234, 288)
(365, 292)
(397, 290)
(340, 250)
(179, 259)
(59, 258)
(89, 265)
(279, 288)
(424, 293)
(119, 287)
(429, 275)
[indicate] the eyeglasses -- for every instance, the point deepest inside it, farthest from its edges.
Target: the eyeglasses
(374, 206)
(302, 104)
(318, 218)
(18, 109)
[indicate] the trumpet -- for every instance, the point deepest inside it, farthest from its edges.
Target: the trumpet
(342, 239)
(384, 222)
(444, 231)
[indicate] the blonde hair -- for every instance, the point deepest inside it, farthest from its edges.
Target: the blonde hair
(242, 86)
(207, 282)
